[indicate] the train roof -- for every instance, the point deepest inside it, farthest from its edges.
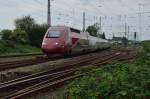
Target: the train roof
(65, 27)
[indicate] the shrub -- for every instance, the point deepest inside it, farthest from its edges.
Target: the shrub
(6, 34)
(20, 36)
(118, 81)
(17, 35)
(11, 47)
(146, 46)
(36, 34)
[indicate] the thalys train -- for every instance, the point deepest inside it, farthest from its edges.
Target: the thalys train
(64, 40)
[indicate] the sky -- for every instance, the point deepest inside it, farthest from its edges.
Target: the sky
(114, 14)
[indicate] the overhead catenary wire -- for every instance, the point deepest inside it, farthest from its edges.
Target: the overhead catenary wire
(68, 17)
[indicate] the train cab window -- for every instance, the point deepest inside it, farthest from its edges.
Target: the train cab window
(75, 30)
(53, 34)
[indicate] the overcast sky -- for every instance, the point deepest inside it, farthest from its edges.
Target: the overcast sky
(114, 13)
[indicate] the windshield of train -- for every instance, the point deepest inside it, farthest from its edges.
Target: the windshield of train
(53, 34)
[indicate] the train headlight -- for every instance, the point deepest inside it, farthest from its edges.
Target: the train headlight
(43, 43)
(56, 43)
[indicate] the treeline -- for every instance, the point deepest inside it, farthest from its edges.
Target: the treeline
(93, 30)
(26, 31)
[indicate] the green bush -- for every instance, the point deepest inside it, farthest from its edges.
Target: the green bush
(6, 34)
(20, 36)
(11, 47)
(118, 81)
(36, 34)
(146, 46)
(144, 58)
(17, 35)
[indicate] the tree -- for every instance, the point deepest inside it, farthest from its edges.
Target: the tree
(103, 36)
(37, 33)
(25, 23)
(6, 34)
(92, 30)
(34, 31)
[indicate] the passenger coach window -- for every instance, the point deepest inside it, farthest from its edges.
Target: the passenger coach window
(53, 34)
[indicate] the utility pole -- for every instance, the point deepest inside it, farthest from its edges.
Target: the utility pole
(49, 13)
(124, 40)
(100, 27)
(135, 37)
(83, 21)
(128, 32)
(140, 21)
(125, 29)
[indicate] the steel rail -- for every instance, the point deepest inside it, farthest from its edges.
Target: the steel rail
(96, 60)
(20, 55)
(48, 83)
(29, 62)
(65, 65)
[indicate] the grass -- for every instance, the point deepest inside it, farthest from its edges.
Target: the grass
(116, 81)
(9, 48)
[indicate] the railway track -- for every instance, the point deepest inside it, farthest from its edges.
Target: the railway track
(73, 63)
(35, 82)
(22, 63)
(20, 55)
(31, 61)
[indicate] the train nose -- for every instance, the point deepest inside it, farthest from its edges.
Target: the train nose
(52, 48)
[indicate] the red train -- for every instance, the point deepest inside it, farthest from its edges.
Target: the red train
(67, 40)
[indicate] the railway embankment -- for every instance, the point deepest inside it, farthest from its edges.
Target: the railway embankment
(116, 81)
(12, 48)
(66, 71)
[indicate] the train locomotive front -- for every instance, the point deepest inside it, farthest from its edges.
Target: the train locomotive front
(55, 41)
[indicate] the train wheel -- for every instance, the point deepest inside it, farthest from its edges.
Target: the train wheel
(65, 54)
(49, 56)
(68, 53)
